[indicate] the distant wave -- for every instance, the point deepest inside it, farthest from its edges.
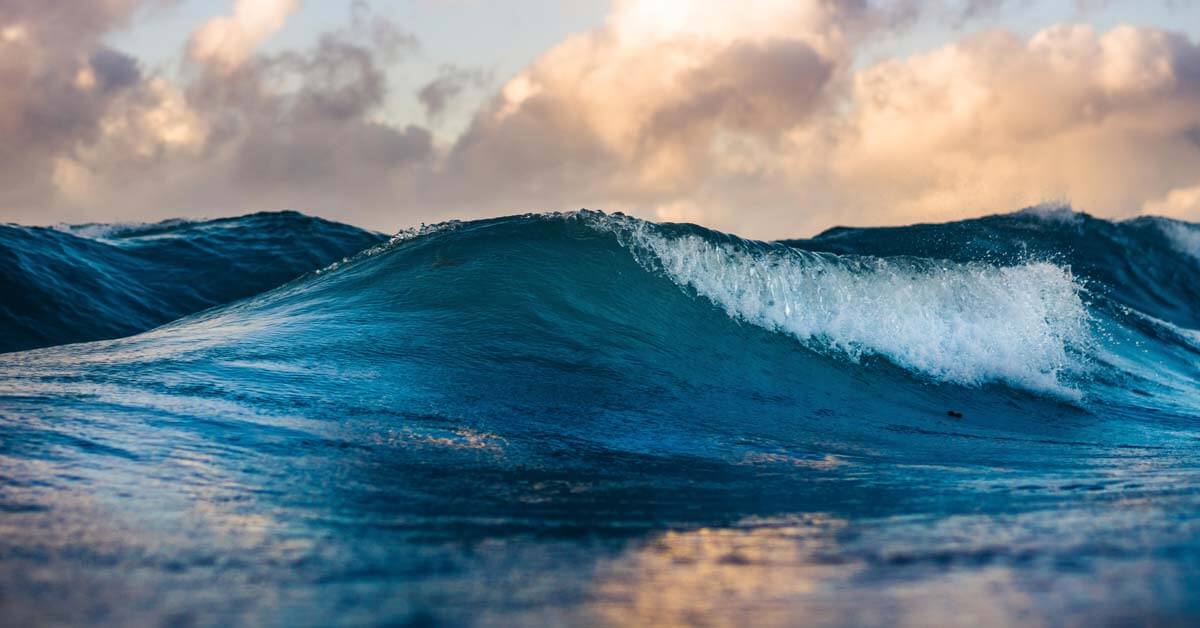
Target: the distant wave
(1147, 263)
(89, 282)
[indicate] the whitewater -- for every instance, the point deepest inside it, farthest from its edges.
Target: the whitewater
(590, 419)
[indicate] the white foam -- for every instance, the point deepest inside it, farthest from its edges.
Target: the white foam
(1184, 237)
(402, 236)
(104, 231)
(1057, 213)
(968, 324)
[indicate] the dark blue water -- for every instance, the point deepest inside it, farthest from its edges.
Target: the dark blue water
(591, 420)
(94, 282)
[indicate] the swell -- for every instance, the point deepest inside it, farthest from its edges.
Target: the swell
(89, 282)
(1029, 310)
(614, 304)
(555, 338)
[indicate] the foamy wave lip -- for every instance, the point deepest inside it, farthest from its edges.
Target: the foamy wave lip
(1059, 213)
(402, 236)
(1024, 325)
(1184, 237)
(103, 231)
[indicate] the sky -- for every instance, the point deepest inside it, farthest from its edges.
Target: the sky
(766, 118)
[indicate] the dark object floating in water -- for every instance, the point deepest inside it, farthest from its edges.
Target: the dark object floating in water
(954, 414)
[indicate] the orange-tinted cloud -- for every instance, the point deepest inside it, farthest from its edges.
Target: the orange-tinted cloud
(765, 127)
(1107, 121)
(227, 41)
(757, 117)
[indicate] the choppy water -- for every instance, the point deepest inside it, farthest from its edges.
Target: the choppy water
(589, 419)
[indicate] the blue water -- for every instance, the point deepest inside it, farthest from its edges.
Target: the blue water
(95, 282)
(587, 419)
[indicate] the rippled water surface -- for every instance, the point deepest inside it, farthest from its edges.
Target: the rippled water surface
(586, 419)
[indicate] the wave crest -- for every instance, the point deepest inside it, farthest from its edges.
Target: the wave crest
(970, 324)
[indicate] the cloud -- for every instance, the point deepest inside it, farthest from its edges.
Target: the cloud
(251, 130)
(298, 128)
(58, 82)
(757, 120)
(759, 117)
(1181, 202)
(665, 98)
(227, 41)
(439, 94)
(1103, 120)
(109, 69)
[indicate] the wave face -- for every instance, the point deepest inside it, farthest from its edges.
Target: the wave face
(589, 419)
(89, 282)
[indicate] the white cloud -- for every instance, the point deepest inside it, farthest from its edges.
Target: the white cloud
(1182, 203)
(226, 42)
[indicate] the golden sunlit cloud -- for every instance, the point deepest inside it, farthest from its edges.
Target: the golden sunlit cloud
(762, 125)
(228, 40)
(758, 117)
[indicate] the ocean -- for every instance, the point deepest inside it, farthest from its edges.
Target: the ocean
(589, 419)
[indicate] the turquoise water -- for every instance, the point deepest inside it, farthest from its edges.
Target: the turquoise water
(589, 419)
